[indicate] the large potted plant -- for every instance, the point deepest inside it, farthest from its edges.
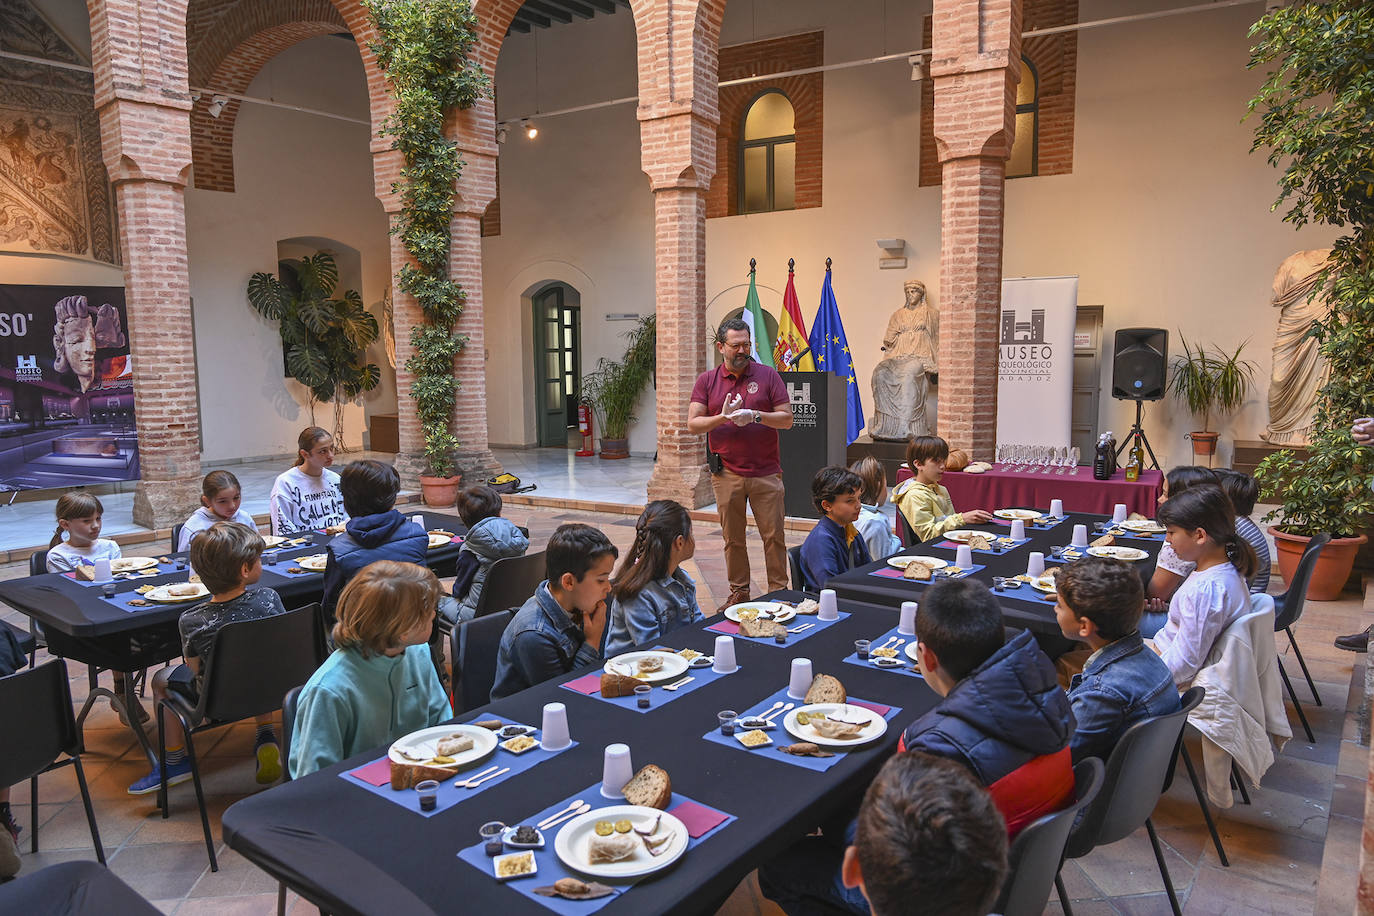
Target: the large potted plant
(1210, 382)
(1315, 123)
(612, 388)
(423, 49)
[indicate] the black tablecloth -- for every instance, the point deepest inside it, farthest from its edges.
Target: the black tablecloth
(775, 801)
(1032, 613)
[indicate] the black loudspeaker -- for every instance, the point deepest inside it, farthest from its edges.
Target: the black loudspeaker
(1139, 361)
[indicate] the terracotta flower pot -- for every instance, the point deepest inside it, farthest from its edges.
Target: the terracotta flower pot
(1333, 563)
(440, 492)
(1204, 443)
(615, 448)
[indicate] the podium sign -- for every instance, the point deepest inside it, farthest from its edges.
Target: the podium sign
(817, 436)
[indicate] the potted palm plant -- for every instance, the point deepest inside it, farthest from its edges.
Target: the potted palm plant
(1210, 382)
(613, 388)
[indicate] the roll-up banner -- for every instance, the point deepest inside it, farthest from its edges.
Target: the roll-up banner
(1035, 370)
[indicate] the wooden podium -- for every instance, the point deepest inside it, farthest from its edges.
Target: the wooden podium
(817, 436)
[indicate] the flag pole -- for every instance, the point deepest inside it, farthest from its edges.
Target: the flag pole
(751, 265)
(791, 265)
(827, 265)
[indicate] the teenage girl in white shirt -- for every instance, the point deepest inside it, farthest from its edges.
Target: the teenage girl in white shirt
(78, 518)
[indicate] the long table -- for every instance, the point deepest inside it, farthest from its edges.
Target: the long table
(327, 837)
(1008, 485)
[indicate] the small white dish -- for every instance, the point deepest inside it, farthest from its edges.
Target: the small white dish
(525, 856)
(509, 832)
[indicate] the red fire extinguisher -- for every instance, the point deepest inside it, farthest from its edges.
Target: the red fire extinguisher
(584, 426)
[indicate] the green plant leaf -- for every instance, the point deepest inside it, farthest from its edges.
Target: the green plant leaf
(268, 295)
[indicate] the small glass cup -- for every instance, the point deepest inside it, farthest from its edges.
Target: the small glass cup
(1099, 527)
(428, 790)
(490, 829)
(108, 590)
(181, 562)
(780, 637)
(999, 583)
(727, 721)
(861, 647)
(269, 557)
(642, 696)
(1057, 552)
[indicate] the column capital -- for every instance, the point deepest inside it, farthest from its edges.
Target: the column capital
(145, 141)
(677, 145)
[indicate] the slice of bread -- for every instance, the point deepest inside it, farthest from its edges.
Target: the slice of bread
(618, 685)
(650, 787)
(918, 571)
(1105, 541)
(406, 775)
(826, 689)
(764, 628)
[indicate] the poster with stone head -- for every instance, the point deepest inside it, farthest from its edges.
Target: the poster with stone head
(66, 387)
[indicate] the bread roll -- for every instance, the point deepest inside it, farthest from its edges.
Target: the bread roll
(1105, 541)
(918, 571)
(407, 775)
(764, 628)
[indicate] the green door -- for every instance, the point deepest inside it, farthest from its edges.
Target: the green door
(557, 367)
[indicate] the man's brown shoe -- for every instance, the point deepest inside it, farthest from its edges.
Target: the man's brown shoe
(1355, 642)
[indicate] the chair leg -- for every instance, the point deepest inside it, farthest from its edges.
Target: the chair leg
(1302, 717)
(1240, 783)
(1063, 894)
(1316, 697)
(162, 760)
(1202, 803)
(1163, 867)
(281, 899)
(33, 814)
(200, 798)
(90, 812)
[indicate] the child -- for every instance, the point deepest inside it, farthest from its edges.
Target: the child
(1243, 491)
(379, 684)
(1100, 602)
(375, 530)
(78, 516)
(561, 626)
(1200, 526)
(872, 524)
(220, 496)
(490, 538)
(834, 545)
(1170, 569)
(922, 501)
(651, 594)
(307, 497)
(228, 557)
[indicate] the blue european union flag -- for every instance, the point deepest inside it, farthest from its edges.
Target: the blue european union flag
(831, 350)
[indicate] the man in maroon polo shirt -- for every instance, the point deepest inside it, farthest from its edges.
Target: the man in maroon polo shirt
(741, 405)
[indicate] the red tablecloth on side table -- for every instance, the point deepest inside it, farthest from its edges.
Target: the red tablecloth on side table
(1081, 492)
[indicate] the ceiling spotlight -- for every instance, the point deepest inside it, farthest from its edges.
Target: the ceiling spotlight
(217, 106)
(530, 130)
(920, 69)
(501, 133)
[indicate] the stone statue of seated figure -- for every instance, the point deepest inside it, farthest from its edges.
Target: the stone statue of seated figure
(903, 402)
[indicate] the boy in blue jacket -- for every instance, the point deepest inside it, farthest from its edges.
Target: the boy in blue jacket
(490, 538)
(834, 545)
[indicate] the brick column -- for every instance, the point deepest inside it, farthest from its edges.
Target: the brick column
(975, 66)
(139, 59)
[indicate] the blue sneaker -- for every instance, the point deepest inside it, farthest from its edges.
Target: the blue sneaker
(177, 773)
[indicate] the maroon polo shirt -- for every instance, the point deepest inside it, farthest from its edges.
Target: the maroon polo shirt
(749, 451)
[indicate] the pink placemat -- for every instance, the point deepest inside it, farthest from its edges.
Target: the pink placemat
(698, 819)
(587, 683)
(879, 708)
(727, 627)
(376, 773)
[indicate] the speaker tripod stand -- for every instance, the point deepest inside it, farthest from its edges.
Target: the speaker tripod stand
(1138, 432)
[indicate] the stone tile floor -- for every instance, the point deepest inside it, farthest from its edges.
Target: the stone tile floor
(1294, 851)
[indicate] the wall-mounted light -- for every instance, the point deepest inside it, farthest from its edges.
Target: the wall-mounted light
(894, 254)
(530, 130)
(920, 67)
(501, 133)
(217, 106)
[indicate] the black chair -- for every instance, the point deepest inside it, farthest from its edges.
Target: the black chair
(1290, 605)
(176, 536)
(1035, 855)
(36, 707)
(28, 645)
(473, 645)
(1137, 772)
(73, 889)
(904, 532)
(38, 562)
(253, 664)
(794, 566)
(510, 582)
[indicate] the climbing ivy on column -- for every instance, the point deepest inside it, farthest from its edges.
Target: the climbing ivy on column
(423, 48)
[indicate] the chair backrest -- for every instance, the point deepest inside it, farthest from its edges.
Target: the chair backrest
(510, 582)
(255, 662)
(288, 723)
(38, 562)
(36, 709)
(1034, 857)
(176, 536)
(1296, 597)
(904, 532)
(474, 645)
(1135, 777)
(794, 564)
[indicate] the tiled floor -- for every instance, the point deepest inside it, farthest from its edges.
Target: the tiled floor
(1293, 851)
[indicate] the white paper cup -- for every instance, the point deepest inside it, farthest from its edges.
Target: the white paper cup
(555, 727)
(616, 770)
(1035, 566)
(1119, 513)
(1056, 508)
(907, 625)
(102, 571)
(801, 678)
(829, 609)
(725, 655)
(963, 556)
(1018, 529)
(1080, 536)
(418, 519)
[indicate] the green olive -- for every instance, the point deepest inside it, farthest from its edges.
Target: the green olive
(604, 828)
(623, 826)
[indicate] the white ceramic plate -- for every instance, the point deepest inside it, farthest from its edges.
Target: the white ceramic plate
(574, 837)
(1145, 526)
(876, 727)
(423, 743)
(780, 612)
(674, 665)
(439, 540)
(1025, 515)
(1045, 584)
(272, 540)
(161, 596)
(927, 562)
(1118, 553)
(911, 652)
(961, 535)
(131, 564)
(315, 562)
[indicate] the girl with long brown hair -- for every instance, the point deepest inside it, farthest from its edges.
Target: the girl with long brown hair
(306, 497)
(651, 594)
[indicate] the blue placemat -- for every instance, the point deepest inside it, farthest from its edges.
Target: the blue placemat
(287, 561)
(589, 685)
(891, 635)
(450, 793)
(121, 600)
(891, 572)
(1041, 524)
(782, 737)
(1015, 588)
(550, 868)
(955, 545)
(152, 572)
(730, 628)
(1133, 535)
